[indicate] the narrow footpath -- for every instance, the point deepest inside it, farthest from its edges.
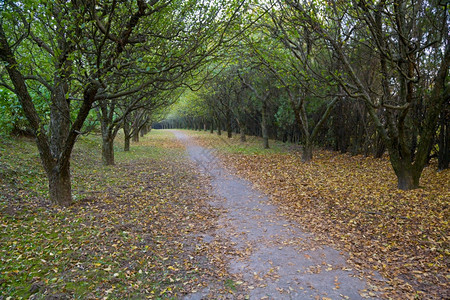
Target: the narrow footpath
(282, 261)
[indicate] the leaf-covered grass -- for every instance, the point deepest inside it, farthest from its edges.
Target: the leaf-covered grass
(353, 202)
(133, 232)
(253, 145)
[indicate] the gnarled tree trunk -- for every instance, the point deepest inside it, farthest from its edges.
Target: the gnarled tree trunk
(307, 152)
(59, 185)
(407, 176)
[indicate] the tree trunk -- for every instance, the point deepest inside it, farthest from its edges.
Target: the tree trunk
(143, 131)
(407, 177)
(59, 119)
(59, 186)
(108, 152)
(126, 134)
(135, 137)
(444, 142)
(307, 152)
(265, 135)
(126, 145)
(243, 138)
(380, 146)
(241, 126)
(219, 128)
(229, 128)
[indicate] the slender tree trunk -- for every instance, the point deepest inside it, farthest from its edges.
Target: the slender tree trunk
(126, 135)
(241, 126)
(126, 144)
(229, 128)
(219, 128)
(108, 151)
(264, 132)
(135, 137)
(380, 146)
(242, 133)
(444, 141)
(143, 131)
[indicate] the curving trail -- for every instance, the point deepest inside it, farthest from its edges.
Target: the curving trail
(281, 261)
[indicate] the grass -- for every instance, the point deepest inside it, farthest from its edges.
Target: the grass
(252, 146)
(158, 147)
(130, 234)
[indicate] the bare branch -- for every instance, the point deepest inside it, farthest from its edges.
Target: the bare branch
(40, 80)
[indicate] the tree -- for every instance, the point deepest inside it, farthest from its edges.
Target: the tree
(260, 86)
(56, 144)
(298, 62)
(408, 89)
(74, 48)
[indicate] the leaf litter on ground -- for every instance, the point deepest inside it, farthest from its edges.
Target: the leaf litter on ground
(135, 229)
(352, 203)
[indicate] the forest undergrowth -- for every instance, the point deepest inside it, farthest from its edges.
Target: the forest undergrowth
(352, 203)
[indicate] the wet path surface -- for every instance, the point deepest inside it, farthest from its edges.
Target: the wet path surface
(281, 261)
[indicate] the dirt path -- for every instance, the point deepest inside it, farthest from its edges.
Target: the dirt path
(281, 261)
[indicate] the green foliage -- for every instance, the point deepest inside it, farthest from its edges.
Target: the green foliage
(285, 115)
(11, 112)
(11, 115)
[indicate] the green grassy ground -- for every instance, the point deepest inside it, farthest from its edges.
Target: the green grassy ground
(252, 146)
(130, 233)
